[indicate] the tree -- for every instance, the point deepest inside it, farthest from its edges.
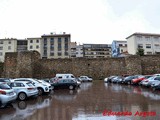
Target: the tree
(140, 51)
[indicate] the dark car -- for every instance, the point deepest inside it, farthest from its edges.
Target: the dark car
(65, 84)
(128, 80)
(117, 79)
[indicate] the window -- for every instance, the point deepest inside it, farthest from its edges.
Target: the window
(66, 53)
(31, 41)
(37, 46)
(66, 40)
(52, 47)
(1, 54)
(9, 47)
(1, 47)
(148, 45)
(66, 46)
(157, 46)
(1, 42)
(149, 53)
(140, 45)
(9, 42)
(147, 38)
(52, 40)
(37, 41)
(31, 47)
(120, 45)
(59, 40)
(59, 53)
(59, 47)
(52, 54)
(45, 40)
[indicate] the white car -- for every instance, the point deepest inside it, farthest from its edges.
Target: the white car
(46, 83)
(85, 78)
(42, 88)
(7, 94)
(24, 89)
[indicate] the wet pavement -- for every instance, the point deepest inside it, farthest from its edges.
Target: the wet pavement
(93, 101)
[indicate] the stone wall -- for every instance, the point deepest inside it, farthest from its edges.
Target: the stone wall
(20, 64)
(29, 64)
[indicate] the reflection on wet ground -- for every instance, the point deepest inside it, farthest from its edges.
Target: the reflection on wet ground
(93, 101)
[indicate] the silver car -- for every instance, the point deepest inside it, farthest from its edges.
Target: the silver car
(24, 89)
(7, 94)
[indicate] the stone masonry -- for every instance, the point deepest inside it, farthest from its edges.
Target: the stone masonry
(29, 64)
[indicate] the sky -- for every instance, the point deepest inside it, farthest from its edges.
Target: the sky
(88, 21)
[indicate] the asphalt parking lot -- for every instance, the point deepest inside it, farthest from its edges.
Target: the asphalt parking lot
(93, 101)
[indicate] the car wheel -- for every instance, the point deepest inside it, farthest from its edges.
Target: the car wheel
(22, 96)
(129, 83)
(71, 87)
(40, 91)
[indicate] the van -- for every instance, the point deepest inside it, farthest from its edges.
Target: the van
(65, 76)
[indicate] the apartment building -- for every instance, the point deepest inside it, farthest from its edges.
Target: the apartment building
(96, 50)
(56, 45)
(147, 41)
(119, 48)
(7, 45)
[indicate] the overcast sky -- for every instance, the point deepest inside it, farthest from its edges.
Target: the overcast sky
(88, 21)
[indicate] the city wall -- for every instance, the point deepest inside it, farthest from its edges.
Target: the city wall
(29, 64)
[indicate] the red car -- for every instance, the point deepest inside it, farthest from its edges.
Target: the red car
(137, 80)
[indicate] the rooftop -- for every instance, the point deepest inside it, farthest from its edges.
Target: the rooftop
(146, 34)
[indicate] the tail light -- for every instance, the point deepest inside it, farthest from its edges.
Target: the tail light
(30, 88)
(2, 92)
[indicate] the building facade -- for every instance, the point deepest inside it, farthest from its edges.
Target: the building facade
(147, 41)
(119, 48)
(35, 44)
(96, 50)
(79, 51)
(56, 45)
(7, 45)
(73, 49)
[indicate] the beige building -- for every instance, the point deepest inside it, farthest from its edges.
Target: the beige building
(96, 50)
(7, 45)
(35, 44)
(56, 45)
(147, 41)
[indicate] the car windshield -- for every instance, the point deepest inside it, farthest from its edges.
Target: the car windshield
(150, 78)
(4, 86)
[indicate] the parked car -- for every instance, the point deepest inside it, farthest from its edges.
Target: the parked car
(7, 94)
(65, 84)
(139, 79)
(24, 89)
(5, 80)
(85, 79)
(117, 79)
(42, 88)
(45, 83)
(148, 82)
(108, 79)
(128, 79)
